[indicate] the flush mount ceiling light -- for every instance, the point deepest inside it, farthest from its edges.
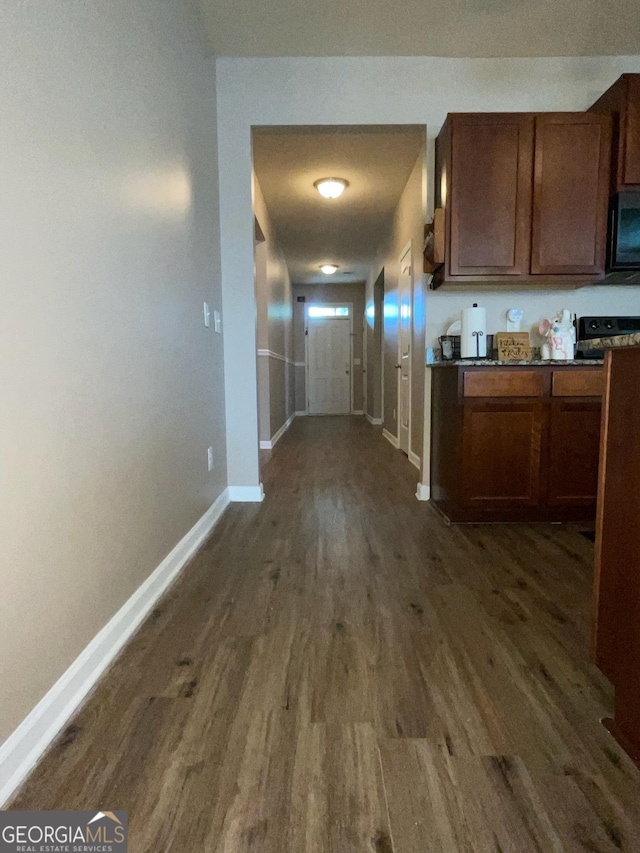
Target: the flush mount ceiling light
(331, 187)
(329, 269)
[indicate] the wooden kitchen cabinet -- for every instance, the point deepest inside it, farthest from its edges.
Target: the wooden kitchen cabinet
(491, 162)
(570, 194)
(623, 101)
(616, 628)
(507, 447)
(574, 445)
(525, 197)
(510, 477)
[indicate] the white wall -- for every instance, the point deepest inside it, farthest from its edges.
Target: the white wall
(445, 307)
(359, 90)
(112, 388)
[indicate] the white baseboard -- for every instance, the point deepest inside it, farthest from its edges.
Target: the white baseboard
(358, 412)
(414, 459)
(269, 445)
(423, 492)
(392, 439)
(285, 426)
(22, 749)
(374, 421)
(300, 414)
(246, 494)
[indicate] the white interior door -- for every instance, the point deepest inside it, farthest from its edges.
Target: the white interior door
(404, 351)
(329, 365)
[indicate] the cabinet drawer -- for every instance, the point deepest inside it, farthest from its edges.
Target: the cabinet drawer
(498, 382)
(578, 383)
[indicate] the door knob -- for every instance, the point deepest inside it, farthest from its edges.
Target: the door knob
(398, 366)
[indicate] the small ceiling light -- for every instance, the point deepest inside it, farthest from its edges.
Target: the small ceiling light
(331, 187)
(329, 269)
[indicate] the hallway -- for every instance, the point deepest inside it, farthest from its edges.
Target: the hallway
(338, 671)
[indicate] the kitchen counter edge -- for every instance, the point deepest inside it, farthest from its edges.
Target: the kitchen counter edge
(490, 362)
(614, 342)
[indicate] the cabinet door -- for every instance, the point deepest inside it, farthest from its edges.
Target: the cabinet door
(622, 100)
(490, 199)
(574, 449)
(502, 447)
(630, 135)
(570, 195)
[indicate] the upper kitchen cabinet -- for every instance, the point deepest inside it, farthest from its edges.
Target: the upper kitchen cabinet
(623, 101)
(488, 169)
(525, 197)
(570, 194)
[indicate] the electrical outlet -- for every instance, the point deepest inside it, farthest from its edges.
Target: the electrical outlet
(207, 315)
(217, 322)
(210, 458)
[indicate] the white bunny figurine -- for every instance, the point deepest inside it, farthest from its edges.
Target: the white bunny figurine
(561, 337)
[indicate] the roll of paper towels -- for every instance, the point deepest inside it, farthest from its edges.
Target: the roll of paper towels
(473, 340)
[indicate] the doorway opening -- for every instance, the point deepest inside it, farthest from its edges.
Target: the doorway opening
(336, 296)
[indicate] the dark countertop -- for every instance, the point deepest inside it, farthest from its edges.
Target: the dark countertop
(612, 343)
(492, 362)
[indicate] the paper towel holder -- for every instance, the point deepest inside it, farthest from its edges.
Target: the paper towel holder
(477, 336)
(473, 343)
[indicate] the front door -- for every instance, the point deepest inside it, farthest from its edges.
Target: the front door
(404, 351)
(329, 365)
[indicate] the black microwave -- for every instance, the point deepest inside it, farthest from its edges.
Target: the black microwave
(624, 232)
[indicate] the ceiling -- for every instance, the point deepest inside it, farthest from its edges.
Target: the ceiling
(311, 230)
(471, 28)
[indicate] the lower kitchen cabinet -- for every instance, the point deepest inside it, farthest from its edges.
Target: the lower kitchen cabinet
(501, 446)
(574, 446)
(515, 443)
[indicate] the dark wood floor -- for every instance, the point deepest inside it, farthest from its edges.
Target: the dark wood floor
(339, 672)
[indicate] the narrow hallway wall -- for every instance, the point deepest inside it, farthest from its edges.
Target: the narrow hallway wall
(274, 327)
(373, 330)
(407, 225)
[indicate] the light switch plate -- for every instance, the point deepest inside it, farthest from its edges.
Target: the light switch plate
(210, 458)
(217, 322)
(207, 315)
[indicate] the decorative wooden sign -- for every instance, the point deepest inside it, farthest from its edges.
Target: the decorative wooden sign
(513, 346)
